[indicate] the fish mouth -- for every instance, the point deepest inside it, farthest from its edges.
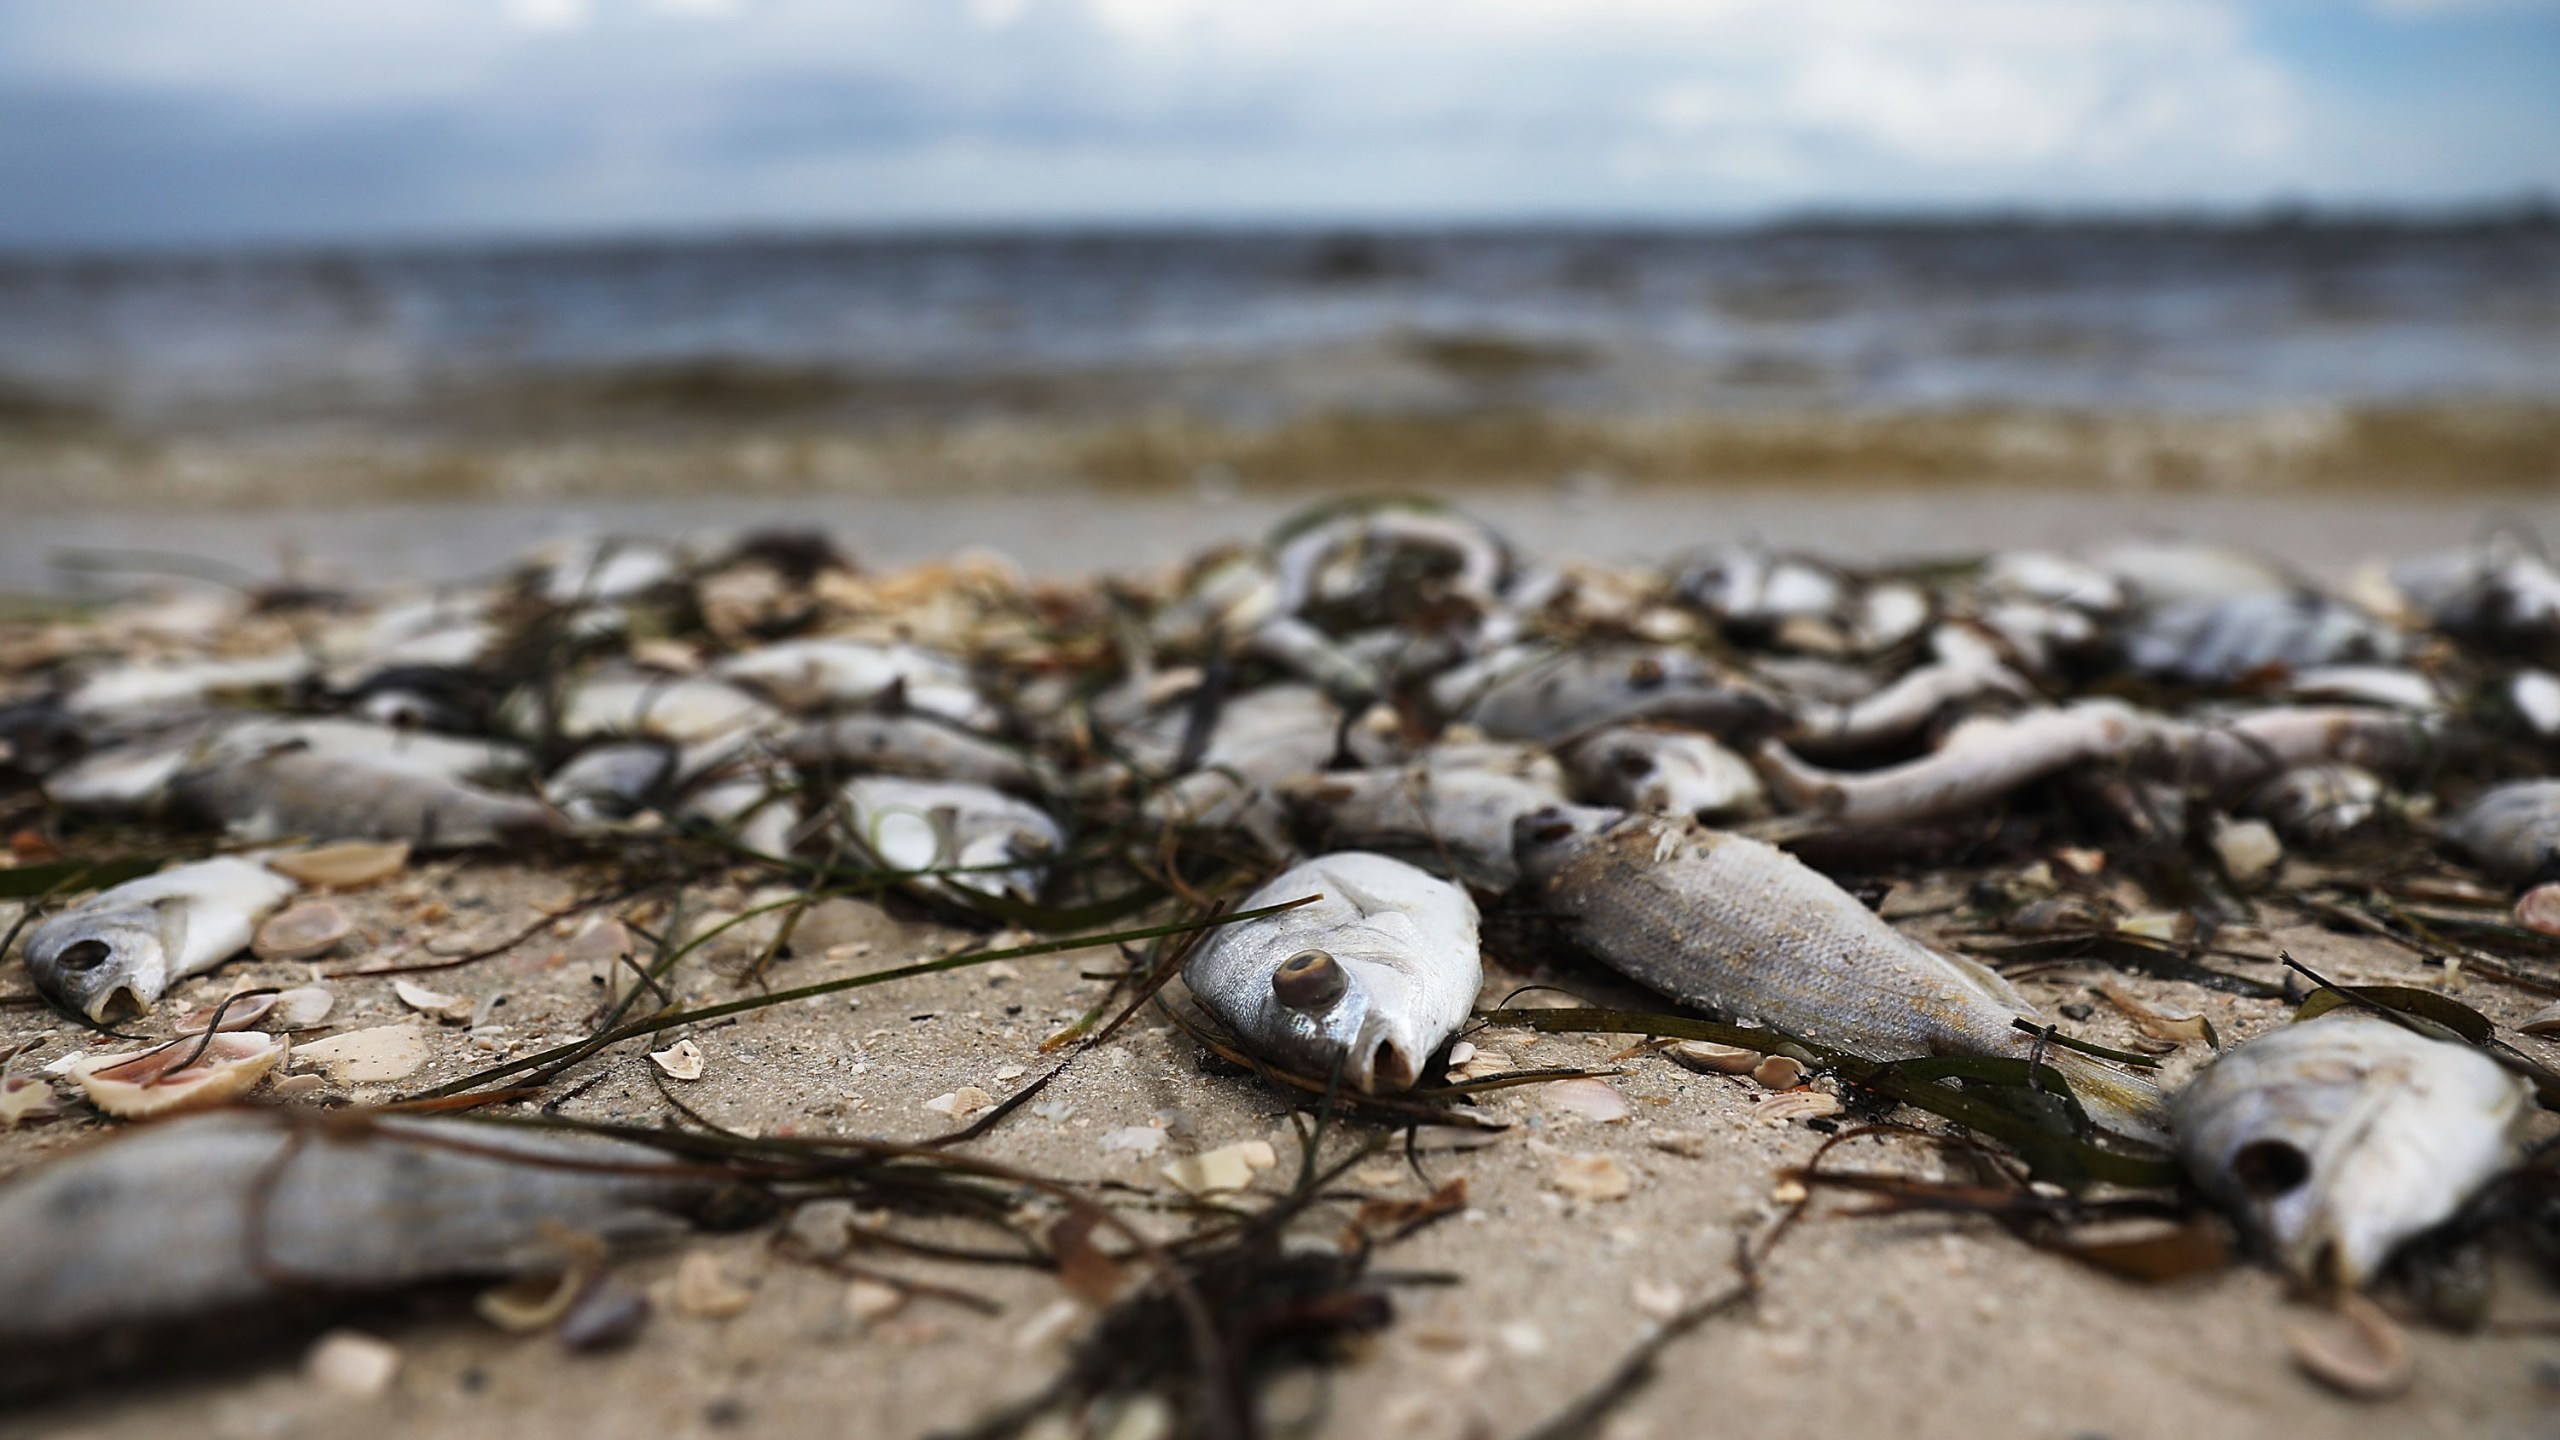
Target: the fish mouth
(1382, 1060)
(118, 1002)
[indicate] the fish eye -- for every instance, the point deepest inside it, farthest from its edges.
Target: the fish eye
(1646, 672)
(84, 956)
(2268, 1168)
(1632, 765)
(1309, 980)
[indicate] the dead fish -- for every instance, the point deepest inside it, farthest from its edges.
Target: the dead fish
(635, 704)
(293, 792)
(1553, 696)
(805, 674)
(122, 947)
(2218, 641)
(1450, 812)
(2498, 591)
(2048, 578)
(1741, 927)
(1979, 762)
(2318, 805)
(2511, 830)
(589, 571)
(1746, 585)
(1262, 738)
(611, 781)
(2337, 1138)
(133, 689)
(1381, 554)
(218, 1214)
(1914, 699)
(1664, 772)
(386, 747)
(2174, 572)
(1313, 656)
(1375, 976)
(1004, 844)
(2232, 753)
(915, 746)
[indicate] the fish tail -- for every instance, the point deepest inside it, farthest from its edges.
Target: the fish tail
(2118, 1103)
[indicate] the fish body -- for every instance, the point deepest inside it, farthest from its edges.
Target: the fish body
(2511, 830)
(1979, 762)
(1552, 697)
(1376, 975)
(679, 709)
(914, 746)
(1664, 772)
(611, 781)
(1451, 812)
(1262, 738)
(1734, 925)
(294, 792)
(2336, 1138)
(153, 1227)
(2317, 805)
(1004, 844)
(2219, 641)
(123, 947)
(807, 674)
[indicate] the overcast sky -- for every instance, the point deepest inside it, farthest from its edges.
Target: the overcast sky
(160, 122)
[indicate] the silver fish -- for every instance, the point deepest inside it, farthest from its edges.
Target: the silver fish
(1738, 926)
(293, 792)
(1357, 559)
(1375, 976)
(611, 781)
(2511, 830)
(2317, 805)
(1979, 762)
(154, 1226)
(121, 948)
(2218, 641)
(1262, 739)
(914, 746)
(1003, 843)
(1552, 697)
(1664, 772)
(1914, 699)
(2337, 1138)
(1450, 812)
(811, 673)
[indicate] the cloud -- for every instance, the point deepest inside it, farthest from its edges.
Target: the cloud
(619, 113)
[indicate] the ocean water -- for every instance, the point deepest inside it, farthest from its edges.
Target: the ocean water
(1262, 328)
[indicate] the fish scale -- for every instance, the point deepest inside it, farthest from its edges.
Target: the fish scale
(1735, 925)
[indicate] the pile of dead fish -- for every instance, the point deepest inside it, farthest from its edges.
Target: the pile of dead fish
(1386, 706)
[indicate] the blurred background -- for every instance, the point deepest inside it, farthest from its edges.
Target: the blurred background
(403, 285)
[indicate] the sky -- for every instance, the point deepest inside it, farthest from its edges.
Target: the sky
(173, 123)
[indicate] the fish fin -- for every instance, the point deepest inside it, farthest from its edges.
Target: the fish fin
(2118, 1103)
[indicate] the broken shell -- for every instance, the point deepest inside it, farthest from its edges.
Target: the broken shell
(532, 1302)
(682, 1061)
(304, 932)
(385, 1052)
(2545, 1021)
(2539, 909)
(823, 1228)
(1223, 1170)
(302, 1007)
(962, 1103)
(236, 1013)
(1590, 1099)
(24, 1098)
(2249, 849)
(348, 865)
(176, 1077)
(606, 1317)
(451, 1009)
(600, 947)
(1778, 1072)
(2174, 1027)
(869, 1300)
(299, 1086)
(1791, 1105)
(1709, 1059)
(2365, 1355)
(704, 1292)
(353, 1364)
(1591, 1177)
(1136, 1139)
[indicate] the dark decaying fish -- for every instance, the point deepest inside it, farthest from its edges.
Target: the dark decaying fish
(294, 792)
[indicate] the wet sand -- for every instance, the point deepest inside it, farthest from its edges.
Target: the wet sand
(1077, 532)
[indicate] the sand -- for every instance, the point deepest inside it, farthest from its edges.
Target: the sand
(1923, 1326)
(1912, 1326)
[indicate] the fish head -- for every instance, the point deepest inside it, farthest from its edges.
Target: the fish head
(1547, 839)
(1021, 848)
(101, 963)
(1354, 1000)
(2336, 1149)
